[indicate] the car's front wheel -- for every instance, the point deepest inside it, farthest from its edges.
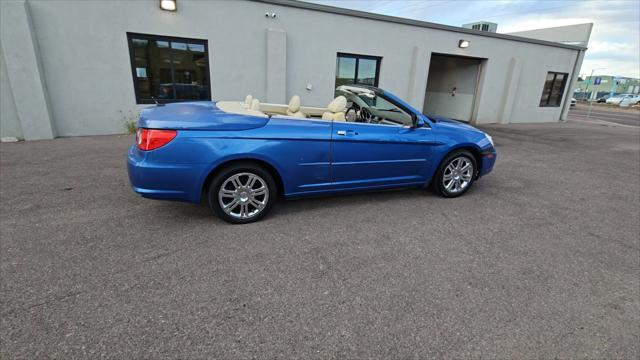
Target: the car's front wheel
(242, 193)
(456, 174)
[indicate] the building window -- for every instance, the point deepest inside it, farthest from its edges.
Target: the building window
(476, 27)
(357, 69)
(553, 89)
(169, 69)
(485, 27)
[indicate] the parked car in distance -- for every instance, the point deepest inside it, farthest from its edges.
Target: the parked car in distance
(617, 99)
(239, 157)
(628, 101)
(573, 102)
(602, 99)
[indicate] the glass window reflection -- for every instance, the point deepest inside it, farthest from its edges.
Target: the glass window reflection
(168, 69)
(357, 69)
(553, 89)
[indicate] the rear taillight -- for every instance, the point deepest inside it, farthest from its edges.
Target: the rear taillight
(149, 139)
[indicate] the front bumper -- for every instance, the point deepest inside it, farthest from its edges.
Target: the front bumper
(488, 159)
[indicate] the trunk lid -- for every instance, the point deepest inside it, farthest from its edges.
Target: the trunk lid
(200, 115)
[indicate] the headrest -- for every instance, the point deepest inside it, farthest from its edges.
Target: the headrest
(255, 104)
(248, 100)
(294, 103)
(338, 104)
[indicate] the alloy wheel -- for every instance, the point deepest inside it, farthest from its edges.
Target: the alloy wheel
(458, 174)
(243, 195)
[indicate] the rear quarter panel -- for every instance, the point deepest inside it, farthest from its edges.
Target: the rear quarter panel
(298, 149)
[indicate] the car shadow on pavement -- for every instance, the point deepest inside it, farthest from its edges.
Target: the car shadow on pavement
(189, 212)
(181, 211)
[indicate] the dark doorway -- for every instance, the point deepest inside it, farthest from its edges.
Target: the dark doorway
(451, 86)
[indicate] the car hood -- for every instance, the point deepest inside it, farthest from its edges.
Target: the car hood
(452, 124)
(200, 115)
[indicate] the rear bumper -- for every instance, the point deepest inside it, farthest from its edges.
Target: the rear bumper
(163, 181)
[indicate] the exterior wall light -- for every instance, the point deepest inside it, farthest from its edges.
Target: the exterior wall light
(463, 44)
(169, 5)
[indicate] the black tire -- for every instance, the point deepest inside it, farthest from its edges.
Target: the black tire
(439, 181)
(240, 172)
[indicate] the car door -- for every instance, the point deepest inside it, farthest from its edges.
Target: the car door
(376, 155)
(301, 148)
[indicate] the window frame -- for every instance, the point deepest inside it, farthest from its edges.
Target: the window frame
(170, 39)
(357, 57)
(562, 87)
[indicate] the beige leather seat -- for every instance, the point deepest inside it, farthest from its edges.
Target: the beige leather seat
(336, 109)
(247, 101)
(294, 107)
(255, 105)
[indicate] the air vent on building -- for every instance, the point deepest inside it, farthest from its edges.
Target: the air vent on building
(482, 26)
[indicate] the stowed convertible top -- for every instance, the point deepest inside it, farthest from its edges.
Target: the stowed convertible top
(201, 115)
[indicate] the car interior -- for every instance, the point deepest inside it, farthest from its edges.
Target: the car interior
(367, 106)
(352, 104)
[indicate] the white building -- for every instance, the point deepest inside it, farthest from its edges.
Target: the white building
(72, 68)
(569, 35)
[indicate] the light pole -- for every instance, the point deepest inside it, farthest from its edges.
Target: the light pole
(585, 90)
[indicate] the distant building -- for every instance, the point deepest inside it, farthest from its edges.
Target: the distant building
(577, 35)
(482, 26)
(597, 86)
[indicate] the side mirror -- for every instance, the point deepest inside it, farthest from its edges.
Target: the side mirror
(418, 121)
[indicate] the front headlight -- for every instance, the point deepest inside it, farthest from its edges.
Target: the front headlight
(490, 139)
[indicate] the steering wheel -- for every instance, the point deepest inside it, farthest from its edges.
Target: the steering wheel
(365, 115)
(355, 112)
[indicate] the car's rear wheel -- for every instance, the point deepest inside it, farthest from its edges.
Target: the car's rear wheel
(242, 193)
(456, 174)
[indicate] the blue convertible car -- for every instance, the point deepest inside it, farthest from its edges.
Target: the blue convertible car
(241, 156)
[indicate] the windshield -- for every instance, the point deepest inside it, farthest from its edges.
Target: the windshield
(367, 106)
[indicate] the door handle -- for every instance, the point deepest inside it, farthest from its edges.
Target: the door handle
(346, 132)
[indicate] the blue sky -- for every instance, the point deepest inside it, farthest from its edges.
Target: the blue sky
(615, 38)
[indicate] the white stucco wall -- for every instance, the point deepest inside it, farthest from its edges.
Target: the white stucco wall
(10, 123)
(87, 71)
(25, 71)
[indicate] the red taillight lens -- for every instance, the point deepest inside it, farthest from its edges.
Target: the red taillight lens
(149, 139)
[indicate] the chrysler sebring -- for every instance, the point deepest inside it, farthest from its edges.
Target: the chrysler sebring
(240, 156)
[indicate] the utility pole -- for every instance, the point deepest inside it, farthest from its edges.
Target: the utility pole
(591, 100)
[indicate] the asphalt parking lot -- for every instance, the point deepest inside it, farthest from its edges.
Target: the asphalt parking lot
(601, 112)
(541, 259)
